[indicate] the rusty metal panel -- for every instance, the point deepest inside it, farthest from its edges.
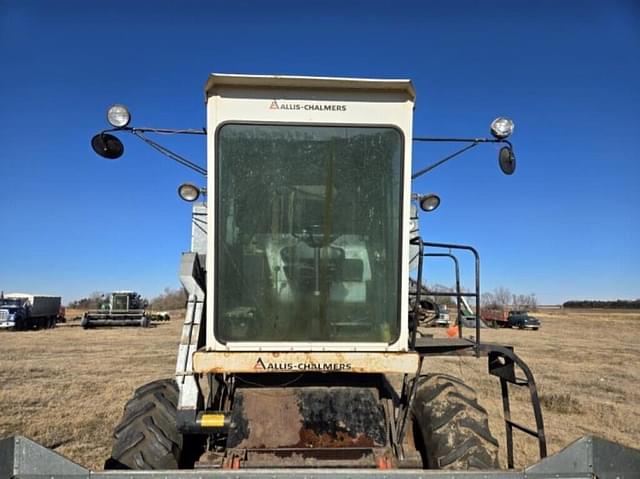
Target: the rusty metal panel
(296, 362)
(307, 418)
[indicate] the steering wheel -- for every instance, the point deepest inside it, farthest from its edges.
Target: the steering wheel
(313, 235)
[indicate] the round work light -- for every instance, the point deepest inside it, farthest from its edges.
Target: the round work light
(118, 116)
(502, 128)
(189, 192)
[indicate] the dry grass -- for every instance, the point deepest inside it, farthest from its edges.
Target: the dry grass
(66, 387)
(587, 369)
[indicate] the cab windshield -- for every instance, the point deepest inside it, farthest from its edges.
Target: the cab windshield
(307, 233)
(8, 302)
(120, 302)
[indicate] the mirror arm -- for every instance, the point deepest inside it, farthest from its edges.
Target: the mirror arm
(171, 131)
(160, 131)
(473, 143)
(139, 132)
(460, 140)
(167, 152)
(445, 159)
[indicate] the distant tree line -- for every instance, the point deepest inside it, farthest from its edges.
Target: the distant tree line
(169, 299)
(93, 301)
(502, 298)
(499, 298)
(617, 304)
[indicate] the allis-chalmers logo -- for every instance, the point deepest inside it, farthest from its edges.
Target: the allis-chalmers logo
(306, 106)
(268, 366)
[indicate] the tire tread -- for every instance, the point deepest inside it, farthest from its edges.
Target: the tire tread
(147, 437)
(454, 427)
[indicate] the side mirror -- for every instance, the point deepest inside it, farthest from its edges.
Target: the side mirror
(507, 160)
(107, 146)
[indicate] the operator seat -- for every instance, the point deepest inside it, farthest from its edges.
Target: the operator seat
(302, 262)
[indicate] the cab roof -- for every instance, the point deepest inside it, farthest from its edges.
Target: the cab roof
(308, 82)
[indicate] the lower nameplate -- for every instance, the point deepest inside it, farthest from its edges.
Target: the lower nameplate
(282, 362)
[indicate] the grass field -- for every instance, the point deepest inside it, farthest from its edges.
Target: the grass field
(66, 387)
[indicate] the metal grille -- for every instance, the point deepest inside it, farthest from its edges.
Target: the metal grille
(4, 315)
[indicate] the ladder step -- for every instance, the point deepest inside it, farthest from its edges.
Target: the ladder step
(522, 428)
(515, 381)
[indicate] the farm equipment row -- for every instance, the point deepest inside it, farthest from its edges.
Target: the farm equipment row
(25, 312)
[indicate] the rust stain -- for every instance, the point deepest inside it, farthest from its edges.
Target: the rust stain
(273, 417)
(309, 438)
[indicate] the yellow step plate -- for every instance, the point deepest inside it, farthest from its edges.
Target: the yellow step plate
(296, 362)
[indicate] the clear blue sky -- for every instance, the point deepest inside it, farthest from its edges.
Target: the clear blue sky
(566, 225)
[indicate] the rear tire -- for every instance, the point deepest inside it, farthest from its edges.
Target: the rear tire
(147, 436)
(84, 322)
(451, 428)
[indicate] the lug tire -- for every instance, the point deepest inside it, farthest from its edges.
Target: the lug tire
(84, 322)
(451, 428)
(147, 436)
(145, 322)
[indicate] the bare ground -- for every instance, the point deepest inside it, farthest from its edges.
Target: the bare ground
(66, 387)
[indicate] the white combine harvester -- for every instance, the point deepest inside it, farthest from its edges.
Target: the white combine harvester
(299, 355)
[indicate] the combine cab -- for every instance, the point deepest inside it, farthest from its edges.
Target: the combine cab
(301, 346)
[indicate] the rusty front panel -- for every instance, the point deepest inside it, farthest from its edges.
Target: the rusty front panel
(307, 418)
(282, 362)
(304, 458)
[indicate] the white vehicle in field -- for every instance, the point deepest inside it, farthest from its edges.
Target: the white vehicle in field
(304, 257)
(443, 318)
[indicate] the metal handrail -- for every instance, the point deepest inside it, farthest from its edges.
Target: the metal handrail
(421, 245)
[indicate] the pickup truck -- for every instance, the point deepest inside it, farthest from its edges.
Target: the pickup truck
(522, 320)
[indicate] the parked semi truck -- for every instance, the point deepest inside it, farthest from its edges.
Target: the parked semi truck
(23, 311)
